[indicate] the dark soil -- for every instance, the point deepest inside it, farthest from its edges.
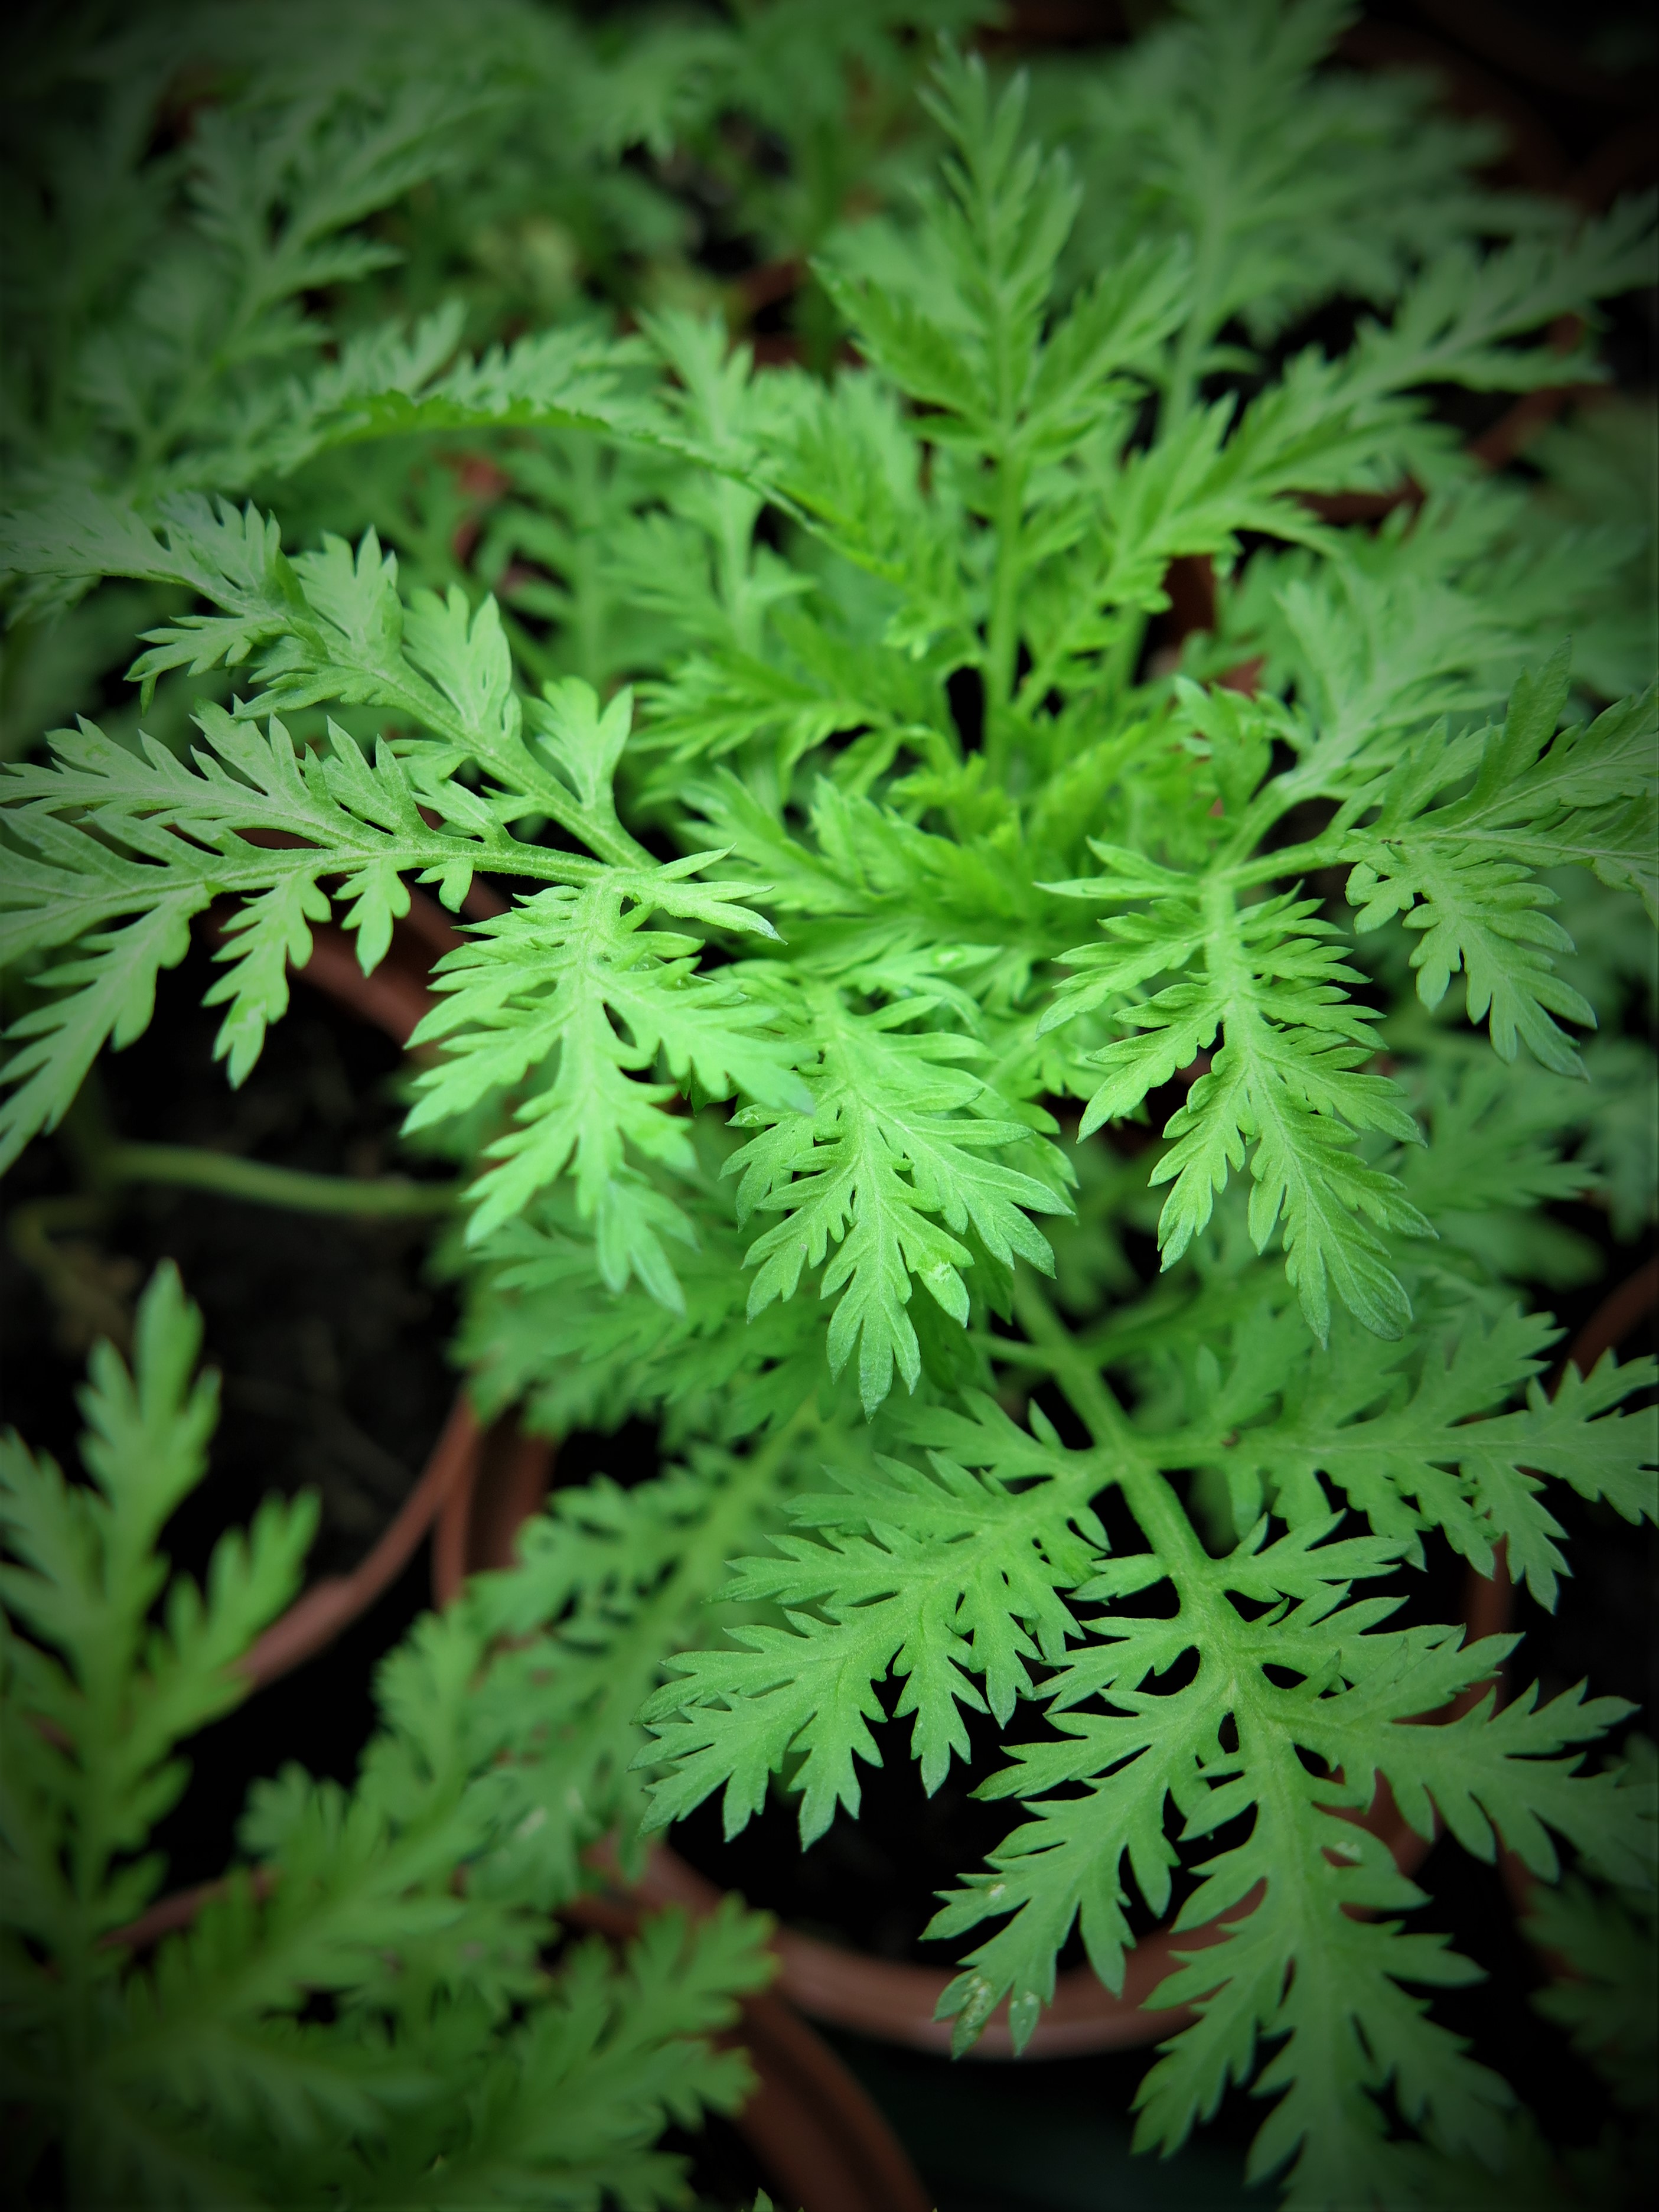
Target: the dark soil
(329, 1337)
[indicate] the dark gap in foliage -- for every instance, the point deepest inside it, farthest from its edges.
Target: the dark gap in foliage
(1332, 326)
(775, 318)
(1067, 1424)
(767, 150)
(1470, 413)
(724, 2174)
(964, 689)
(1158, 1107)
(330, 1340)
(1601, 1629)
(1124, 1536)
(630, 1455)
(1144, 428)
(869, 1881)
(1628, 339)
(1039, 2135)
(1170, 1680)
(322, 1715)
(1301, 824)
(1200, 1851)
(1470, 1899)
(1430, 1595)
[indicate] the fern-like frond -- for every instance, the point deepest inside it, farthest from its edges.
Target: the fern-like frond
(543, 1330)
(159, 840)
(1604, 1928)
(893, 630)
(560, 974)
(1290, 1700)
(1422, 1458)
(1464, 873)
(889, 1168)
(1287, 1078)
(1293, 1962)
(150, 842)
(193, 2078)
(611, 1585)
(97, 1700)
(937, 1577)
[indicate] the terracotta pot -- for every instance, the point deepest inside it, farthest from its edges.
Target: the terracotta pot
(476, 1489)
(504, 1480)
(329, 1607)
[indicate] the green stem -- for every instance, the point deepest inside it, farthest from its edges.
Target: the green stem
(1290, 861)
(705, 1557)
(191, 1168)
(1122, 656)
(1183, 377)
(151, 444)
(1161, 1516)
(1002, 630)
(1071, 1368)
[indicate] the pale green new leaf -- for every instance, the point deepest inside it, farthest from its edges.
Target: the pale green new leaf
(886, 1166)
(1285, 1080)
(576, 972)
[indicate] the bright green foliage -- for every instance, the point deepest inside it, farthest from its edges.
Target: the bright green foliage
(534, 1332)
(352, 638)
(883, 1108)
(456, 2067)
(624, 1576)
(1230, 1739)
(939, 923)
(1287, 1076)
(946, 1577)
(550, 976)
(1425, 1459)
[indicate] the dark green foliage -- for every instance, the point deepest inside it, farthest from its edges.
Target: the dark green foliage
(458, 2063)
(843, 1009)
